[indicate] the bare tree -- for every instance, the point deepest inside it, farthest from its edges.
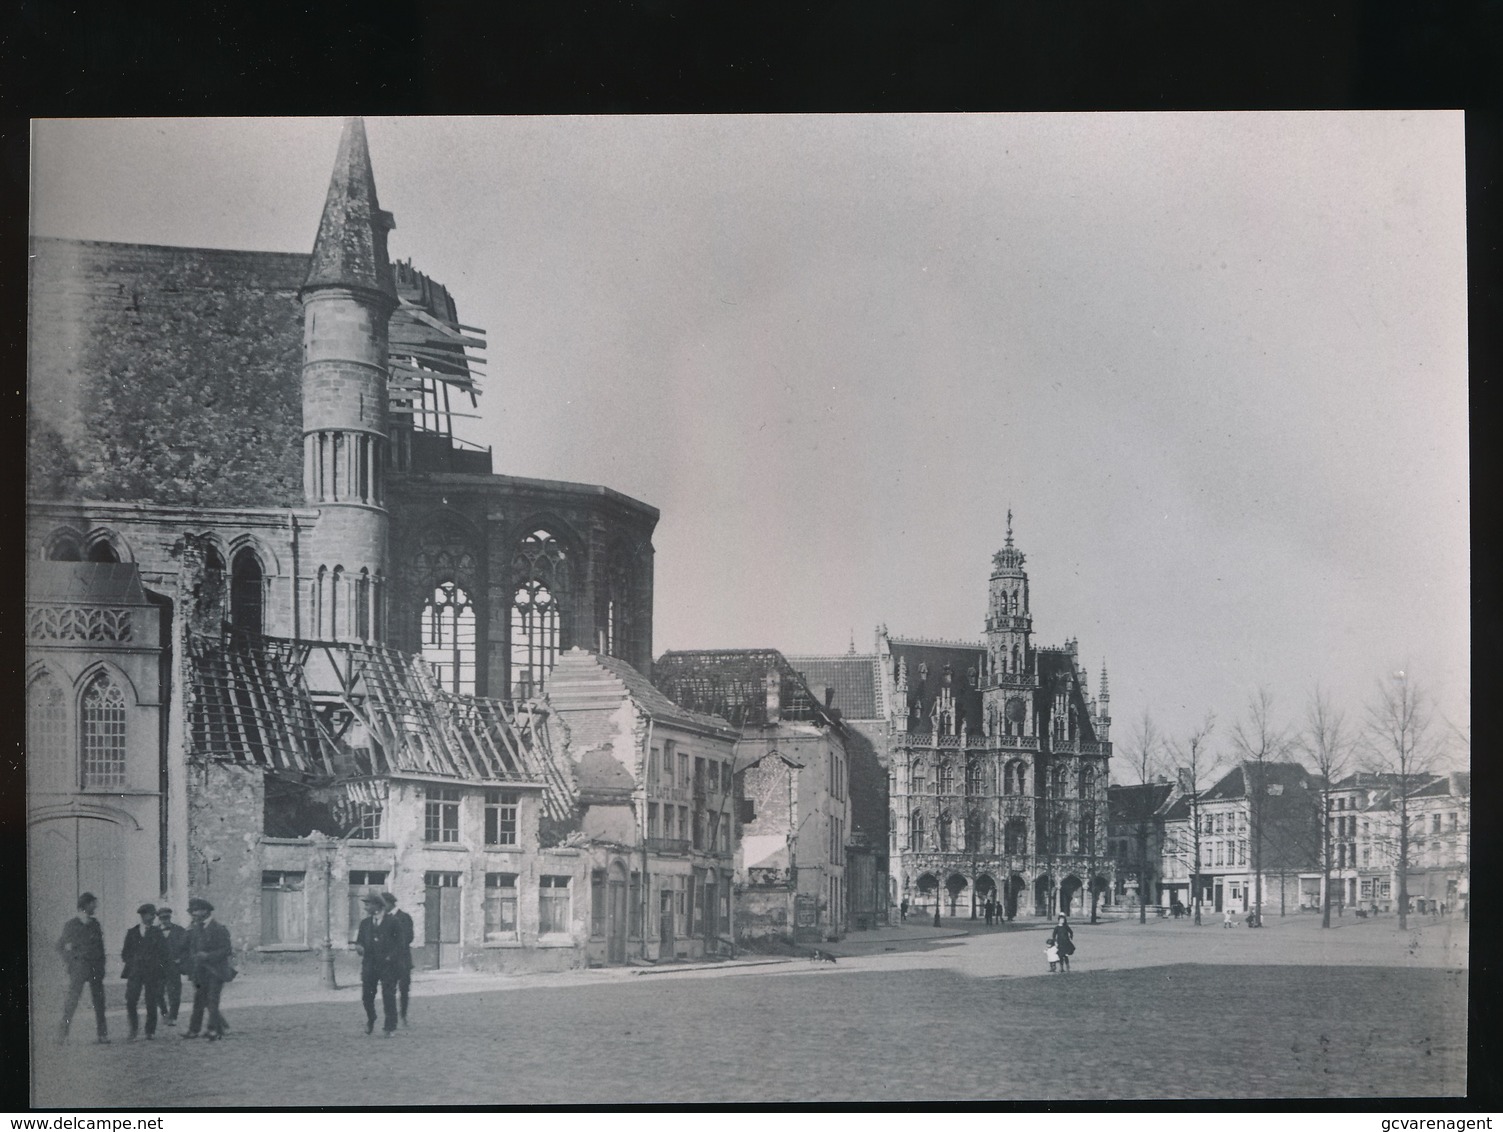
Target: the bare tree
(1142, 754)
(1259, 743)
(1194, 760)
(1399, 745)
(1326, 742)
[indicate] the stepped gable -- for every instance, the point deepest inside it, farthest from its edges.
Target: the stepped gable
(584, 680)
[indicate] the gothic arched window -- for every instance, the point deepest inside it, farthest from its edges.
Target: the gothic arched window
(1015, 837)
(47, 763)
(246, 592)
(975, 776)
(541, 580)
(944, 832)
(103, 733)
(621, 614)
(449, 638)
(916, 830)
(946, 777)
(101, 551)
(338, 613)
(363, 604)
(973, 831)
(211, 593)
(64, 546)
(1087, 781)
(320, 600)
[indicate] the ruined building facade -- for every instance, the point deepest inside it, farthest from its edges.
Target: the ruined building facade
(248, 519)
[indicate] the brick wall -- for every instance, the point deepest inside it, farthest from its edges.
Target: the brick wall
(225, 804)
(169, 375)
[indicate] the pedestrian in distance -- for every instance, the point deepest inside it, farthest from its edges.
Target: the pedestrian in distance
(1226, 921)
(903, 909)
(404, 957)
(82, 947)
(176, 938)
(144, 954)
(379, 942)
(1063, 939)
(209, 967)
(987, 907)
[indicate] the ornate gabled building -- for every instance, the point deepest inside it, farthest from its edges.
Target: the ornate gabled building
(287, 636)
(998, 766)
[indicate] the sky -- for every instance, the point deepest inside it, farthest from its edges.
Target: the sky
(1215, 364)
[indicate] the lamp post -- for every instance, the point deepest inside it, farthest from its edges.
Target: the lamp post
(327, 850)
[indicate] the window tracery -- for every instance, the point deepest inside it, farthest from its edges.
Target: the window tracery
(103, 733)
(449, 638)
(540, 573)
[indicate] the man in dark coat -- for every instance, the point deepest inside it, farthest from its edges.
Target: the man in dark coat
(145, 957)
(82, 948)
(379, 942)
(404, 980)
(176, 938)
(208, 966)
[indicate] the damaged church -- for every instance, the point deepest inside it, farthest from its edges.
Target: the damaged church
(289, 640)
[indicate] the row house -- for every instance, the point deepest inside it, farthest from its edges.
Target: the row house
(657, 814)
(320, 772)
(849, 685)
(1144, 827)
(1259, 835)
(1365, 843)
(792, 773)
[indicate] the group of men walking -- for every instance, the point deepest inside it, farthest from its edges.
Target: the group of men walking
(157, 953)
(384, 941)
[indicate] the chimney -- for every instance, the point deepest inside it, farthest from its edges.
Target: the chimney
(829, 695)
(1186, 785)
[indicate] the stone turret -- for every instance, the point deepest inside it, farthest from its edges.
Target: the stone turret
(347, 298)
(1008, 622)
(1104, 712)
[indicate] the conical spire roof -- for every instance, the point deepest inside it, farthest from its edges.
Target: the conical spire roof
(351, 247)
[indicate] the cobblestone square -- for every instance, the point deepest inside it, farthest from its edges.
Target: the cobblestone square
(1157, 1012)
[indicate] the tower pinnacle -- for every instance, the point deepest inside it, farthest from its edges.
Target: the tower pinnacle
(351, 247)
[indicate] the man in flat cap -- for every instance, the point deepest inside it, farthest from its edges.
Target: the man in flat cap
(379, 942)
(176, 937)
(82, 948)
(145, 959)
(404, 956)
(209, 967)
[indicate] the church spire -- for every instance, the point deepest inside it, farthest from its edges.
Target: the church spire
(351, 247)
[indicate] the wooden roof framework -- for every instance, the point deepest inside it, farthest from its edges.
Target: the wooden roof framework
(249, 702)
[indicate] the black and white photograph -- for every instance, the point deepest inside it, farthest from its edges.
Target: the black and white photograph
(748, 608)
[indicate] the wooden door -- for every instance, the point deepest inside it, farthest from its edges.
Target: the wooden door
(441, 918)
(711, 916)
(615, 922)
(665, 926)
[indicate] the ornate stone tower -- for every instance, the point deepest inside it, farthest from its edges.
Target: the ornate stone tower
(347, 301)
(1009, 628)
